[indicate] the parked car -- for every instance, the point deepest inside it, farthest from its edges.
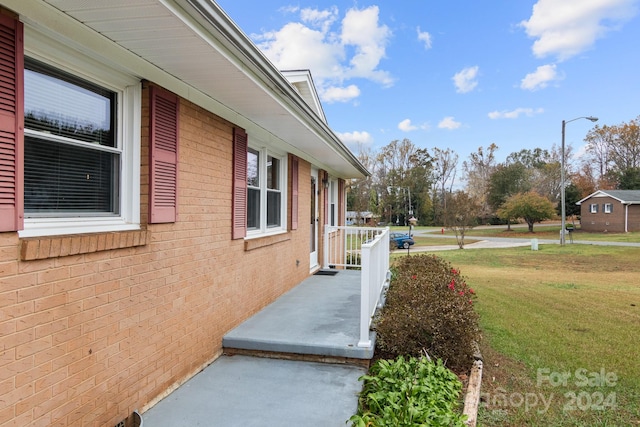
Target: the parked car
(400, 240)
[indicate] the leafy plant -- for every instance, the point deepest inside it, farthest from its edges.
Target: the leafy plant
(429, 307)
(409, 392)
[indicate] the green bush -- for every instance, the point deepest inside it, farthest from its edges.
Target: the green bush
(429, 308)
(411, 392)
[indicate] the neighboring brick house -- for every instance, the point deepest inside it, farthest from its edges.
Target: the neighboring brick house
(616, 211)
(160, 182)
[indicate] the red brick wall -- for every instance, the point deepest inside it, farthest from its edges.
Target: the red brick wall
(94, 327)
(602, 222)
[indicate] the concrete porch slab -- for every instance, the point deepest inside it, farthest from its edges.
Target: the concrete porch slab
(248, 391)
(318, 317)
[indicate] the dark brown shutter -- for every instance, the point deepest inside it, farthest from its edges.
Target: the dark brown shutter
(11, 124)
(239, 202)
(163, 165)
(294, 192)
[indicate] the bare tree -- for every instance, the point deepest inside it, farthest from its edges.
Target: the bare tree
(445, 163)
(360, 188)
(599, 141)
(461, 215)
(478, 172)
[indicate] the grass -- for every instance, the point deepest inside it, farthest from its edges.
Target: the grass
(541, 231)
(572, 310)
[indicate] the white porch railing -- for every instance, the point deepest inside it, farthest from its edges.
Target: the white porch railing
(367, 249)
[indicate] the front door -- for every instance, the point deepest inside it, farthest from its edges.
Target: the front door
(313, 241)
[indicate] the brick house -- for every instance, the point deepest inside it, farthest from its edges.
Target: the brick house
(616, 211)
(160, 182)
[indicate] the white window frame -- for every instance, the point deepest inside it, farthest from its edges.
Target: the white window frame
(333, 202)
(607, 208)
(593, 208)
(264, 230)
(57, 54)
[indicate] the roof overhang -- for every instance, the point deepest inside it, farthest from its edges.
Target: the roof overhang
(604, 193)
(194, 49)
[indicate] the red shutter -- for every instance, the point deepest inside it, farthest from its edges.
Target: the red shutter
(239, 202)
(11, 124)
(325, 196)
(163, 164)
(341, 199)
(294, 193)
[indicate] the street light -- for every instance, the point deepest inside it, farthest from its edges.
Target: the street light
(562, 208)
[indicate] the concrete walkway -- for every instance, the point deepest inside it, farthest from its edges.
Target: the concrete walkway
(242, 391)
(317, 319)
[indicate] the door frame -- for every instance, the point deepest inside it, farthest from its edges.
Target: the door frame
(314, 220)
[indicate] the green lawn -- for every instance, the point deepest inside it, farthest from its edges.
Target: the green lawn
(541, 231)
(561, 334)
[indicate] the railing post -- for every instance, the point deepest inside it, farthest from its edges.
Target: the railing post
(365, 295)
(325, 248)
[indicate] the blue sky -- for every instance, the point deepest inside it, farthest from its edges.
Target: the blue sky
(457, 74)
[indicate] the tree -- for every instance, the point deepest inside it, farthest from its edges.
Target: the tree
(614, 151)
(599, 140)
(444, 163)
(461, 214)
(543, 168)
(402, 169)
(529, 206)
(585, 181)
(359, 190)
(506, 181)
(478, 172)
(629, 179)
(572, 195)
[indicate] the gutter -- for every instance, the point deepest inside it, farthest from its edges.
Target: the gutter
(238, 43)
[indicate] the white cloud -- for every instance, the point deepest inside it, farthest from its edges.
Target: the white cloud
(355, 138)
(565, 28)
(296, 46)
(465, 80)
(514, 114)
(339, 94)
(360, 28)
(335, 51)
(449, 123)
(407, 126)
(540, 78)
(424, 37)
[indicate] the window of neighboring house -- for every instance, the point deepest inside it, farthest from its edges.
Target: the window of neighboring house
(593, 208)
(81, 145)
(608, 208)
(265, 188)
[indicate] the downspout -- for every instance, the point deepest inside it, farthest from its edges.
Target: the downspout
(626, 218)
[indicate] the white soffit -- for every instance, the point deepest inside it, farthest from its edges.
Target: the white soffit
(195, 42)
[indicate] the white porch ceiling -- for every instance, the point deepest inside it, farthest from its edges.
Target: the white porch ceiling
(197, 44)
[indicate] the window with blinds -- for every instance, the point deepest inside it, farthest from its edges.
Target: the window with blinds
(71, 156)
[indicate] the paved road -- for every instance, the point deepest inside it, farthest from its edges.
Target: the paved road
(503, 242)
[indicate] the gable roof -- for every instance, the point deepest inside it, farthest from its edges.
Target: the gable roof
(626, 197)
(303, 83)
(192, 48)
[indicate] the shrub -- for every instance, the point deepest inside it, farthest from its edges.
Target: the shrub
(409, 392)
(429, 307)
